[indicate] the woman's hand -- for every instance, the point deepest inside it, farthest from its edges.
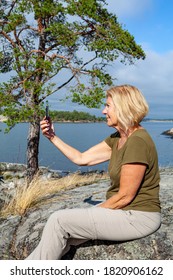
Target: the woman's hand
(95, 155)
(47, 128)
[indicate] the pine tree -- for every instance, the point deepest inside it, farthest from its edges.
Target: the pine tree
(48, 45)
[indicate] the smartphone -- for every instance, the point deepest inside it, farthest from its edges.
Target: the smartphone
(47, 110)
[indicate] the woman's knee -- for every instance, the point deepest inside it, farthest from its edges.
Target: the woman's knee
(53, 219)
(58, 218)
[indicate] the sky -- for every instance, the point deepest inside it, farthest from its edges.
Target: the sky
(151, 24)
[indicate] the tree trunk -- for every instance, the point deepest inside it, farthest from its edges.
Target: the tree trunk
(33, 149)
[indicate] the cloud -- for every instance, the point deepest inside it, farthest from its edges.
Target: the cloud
(152, 75)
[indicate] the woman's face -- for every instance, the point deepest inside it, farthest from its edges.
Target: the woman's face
(110, 112)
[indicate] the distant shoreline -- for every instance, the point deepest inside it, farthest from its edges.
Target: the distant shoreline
(3, 119)
(158, 120)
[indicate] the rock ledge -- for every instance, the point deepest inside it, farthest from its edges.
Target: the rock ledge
(20, 235)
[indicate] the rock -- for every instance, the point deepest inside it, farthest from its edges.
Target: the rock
(15, 167)
(16, 170)
(20, 235)
(168, 132)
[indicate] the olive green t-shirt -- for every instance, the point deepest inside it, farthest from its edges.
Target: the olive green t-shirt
(139, 148)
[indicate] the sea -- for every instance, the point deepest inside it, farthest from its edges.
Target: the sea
(82, 136)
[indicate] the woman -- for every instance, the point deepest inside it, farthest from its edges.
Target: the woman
(132, 208)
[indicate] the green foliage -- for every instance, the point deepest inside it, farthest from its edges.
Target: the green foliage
(42, 40)
(46, 46)
(74, 116)
(92, 98)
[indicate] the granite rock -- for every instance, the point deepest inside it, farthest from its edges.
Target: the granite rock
(19, 235)
(168, 132)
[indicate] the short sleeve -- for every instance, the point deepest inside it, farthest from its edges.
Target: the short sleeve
(110, 141)
(136, 151)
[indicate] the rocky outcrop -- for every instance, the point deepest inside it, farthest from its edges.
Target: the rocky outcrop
(13, 171)
(12, 174)
(19, 235)
(168, 132)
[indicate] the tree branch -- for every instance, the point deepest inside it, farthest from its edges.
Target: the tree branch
(12, 6)
(58, 88)
(8, 38)
(18, 41)
(2, 22)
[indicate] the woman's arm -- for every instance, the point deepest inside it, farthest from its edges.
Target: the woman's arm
(96, 154)
(130, 181)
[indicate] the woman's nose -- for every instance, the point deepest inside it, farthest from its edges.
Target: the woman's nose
(104, 111)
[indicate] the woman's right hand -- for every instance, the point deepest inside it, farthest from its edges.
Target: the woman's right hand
(95, 155)
(47, 128)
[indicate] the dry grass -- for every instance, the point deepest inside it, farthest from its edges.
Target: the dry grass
(28, 196)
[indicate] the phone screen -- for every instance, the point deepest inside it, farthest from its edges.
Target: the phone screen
(47, 111)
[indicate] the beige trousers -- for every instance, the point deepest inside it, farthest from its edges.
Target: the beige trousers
(75, 226)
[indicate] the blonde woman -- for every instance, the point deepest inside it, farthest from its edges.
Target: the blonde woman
(131, 209)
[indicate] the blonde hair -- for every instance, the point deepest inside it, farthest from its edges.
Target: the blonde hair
(130, 105)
